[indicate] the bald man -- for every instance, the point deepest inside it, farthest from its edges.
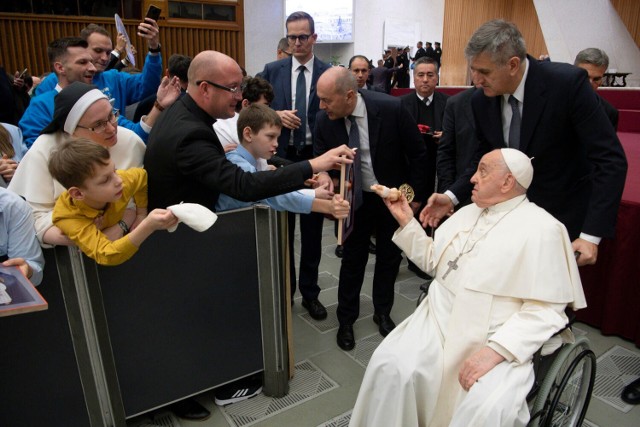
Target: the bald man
(185, 160)
(391, 153)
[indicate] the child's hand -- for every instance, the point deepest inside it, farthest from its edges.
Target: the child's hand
(322, 192)
(339, 207)
(161, 219)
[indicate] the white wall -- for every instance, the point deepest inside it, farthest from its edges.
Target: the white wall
(595, 23)
(264, 26)
(263, 29)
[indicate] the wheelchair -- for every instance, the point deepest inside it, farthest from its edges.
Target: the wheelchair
(563, 382)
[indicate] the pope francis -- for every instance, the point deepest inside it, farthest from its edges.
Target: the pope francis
(504, 272)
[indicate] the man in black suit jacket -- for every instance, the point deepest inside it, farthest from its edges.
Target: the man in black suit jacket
(360, 66)
(185, 160)
(458, 142)
(420, 52)
(298, 146)
(391, 153)
(595, 61)
(427, 108)
(579, 162)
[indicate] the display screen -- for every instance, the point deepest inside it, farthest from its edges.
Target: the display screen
(333, 18)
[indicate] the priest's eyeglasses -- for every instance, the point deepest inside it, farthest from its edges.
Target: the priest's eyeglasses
(233, 90)
(101, 126)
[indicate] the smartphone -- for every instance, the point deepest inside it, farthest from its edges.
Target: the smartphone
(23, 73)
(153, 12)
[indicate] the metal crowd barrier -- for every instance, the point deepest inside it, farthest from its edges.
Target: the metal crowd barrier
(189, 312)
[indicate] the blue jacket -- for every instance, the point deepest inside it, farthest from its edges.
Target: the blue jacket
(123, 88)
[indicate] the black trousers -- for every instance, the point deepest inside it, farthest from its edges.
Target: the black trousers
(310, 241)
(372, 214)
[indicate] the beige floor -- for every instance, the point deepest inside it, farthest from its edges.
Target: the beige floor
(322, 351)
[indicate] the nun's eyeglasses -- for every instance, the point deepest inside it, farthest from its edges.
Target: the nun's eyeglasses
(101, 126)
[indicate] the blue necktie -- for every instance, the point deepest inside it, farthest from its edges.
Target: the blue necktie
(354, 142)
(514, 127)
(300, 134)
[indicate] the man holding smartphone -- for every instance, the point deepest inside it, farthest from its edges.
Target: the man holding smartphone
(123, 88)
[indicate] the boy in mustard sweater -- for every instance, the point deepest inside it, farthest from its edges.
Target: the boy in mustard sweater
(96, 198)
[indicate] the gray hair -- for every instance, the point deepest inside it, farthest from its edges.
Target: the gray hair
(501, 39)
(283, 44)
(426, 60)
(592, 55)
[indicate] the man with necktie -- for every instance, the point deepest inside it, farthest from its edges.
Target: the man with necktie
(390, 152)
(294, 85)
(548, 111)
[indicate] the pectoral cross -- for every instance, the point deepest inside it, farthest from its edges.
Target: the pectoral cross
(453, 265)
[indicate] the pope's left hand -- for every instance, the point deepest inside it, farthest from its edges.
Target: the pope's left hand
(476, 365)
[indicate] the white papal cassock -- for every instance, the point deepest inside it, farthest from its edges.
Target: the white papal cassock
(516, 274)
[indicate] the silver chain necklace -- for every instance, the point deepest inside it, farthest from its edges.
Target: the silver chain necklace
(453, 264)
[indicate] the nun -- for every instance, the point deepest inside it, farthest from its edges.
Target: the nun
(80, 110)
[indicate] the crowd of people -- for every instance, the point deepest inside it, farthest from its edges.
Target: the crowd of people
(523, 187)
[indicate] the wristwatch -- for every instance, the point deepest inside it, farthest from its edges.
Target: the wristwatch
(155, 50)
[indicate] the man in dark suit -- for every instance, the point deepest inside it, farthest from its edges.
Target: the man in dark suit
(298, 109)
(430, 52)
(390, 152)
(596, 61)
(438, 54)
(427, 108)
(420, 52)
(458, 142)
(548, 111)
(360, 66)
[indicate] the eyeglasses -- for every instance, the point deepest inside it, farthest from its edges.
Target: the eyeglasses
(302, 37)
(101, 126)
(233, 90)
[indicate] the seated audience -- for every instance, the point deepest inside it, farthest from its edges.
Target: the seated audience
(80, 110)
(97, 197)
(259, 128)
(18, 244)
(464, 358)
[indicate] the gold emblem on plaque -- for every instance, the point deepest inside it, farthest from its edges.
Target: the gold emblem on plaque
(408, 192)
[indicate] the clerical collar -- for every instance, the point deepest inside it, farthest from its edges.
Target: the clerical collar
(519, 92)
(507, 204)
(309, 64)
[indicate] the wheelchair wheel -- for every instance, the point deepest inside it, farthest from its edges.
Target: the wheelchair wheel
(565, 393)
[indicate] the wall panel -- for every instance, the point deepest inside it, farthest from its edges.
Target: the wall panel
(629, 11)
(462, 18)
(25, 37)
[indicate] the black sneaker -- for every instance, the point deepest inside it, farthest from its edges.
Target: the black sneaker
(238, 391)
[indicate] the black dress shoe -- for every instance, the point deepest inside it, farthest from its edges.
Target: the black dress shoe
(345, 338)
(385, 324)
(421, 274)
(372, 248)
(315, 308)
(189, 409)
(339, 251)
(631, 393)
